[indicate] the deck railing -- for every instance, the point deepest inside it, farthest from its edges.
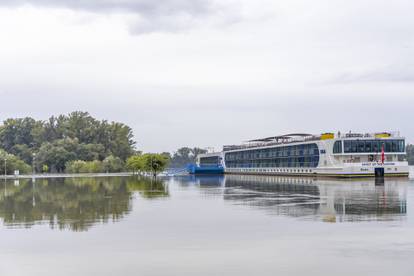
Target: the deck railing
(288, 140)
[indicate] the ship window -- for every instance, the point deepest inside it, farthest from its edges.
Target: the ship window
(388, 146)
(375, 146)
(361, 146)
(305, 155)
(354, 146)
(368, 146)
(347, 146)
(337, 147)
(394, 146)
(209, 161)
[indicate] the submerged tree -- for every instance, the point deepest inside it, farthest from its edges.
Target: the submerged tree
(135, 164)
(154, 163)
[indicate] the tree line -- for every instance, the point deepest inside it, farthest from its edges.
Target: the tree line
(79, 143)
(76, 142)
(184, 156)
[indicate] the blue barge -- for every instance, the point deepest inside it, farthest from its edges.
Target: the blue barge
(195, 169)
(210, 163)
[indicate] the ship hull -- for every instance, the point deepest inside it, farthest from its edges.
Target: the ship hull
(199, 170)
(356, 171)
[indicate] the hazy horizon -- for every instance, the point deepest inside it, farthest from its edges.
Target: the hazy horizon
(206, 72)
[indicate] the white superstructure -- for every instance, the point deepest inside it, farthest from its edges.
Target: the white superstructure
(328, 154)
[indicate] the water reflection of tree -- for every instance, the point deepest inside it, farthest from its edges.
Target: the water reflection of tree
(148, 188)
(72, 203)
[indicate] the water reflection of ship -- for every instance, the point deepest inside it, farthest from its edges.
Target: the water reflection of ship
(329, 200)
(209, 181)
(208, 185)
(203, 181)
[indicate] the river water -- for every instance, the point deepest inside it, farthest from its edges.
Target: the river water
(233, 225)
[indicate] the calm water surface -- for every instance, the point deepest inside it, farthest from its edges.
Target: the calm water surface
(233, 225)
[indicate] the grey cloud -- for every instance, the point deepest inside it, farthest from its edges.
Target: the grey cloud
(145, 7)
(386, 74)
(171, 23)
(151, 15)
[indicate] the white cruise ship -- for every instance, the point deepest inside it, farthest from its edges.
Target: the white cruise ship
(328, 154)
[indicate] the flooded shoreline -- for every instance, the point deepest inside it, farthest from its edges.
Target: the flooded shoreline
(233, 225)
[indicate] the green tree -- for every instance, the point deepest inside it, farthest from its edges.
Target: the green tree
(90, 152)
(80, 166)
(12, 164)
(23, 151)
(167, 155)
(120, 142)
(135, 163)
(184, 156)
(54, 156)
(94, 166)
(64, 138)
(154, 163)
(75, 166)
(112, 164)
(17, 131)
(45, 168)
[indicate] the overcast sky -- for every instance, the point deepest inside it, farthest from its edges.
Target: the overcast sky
(211, 72)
